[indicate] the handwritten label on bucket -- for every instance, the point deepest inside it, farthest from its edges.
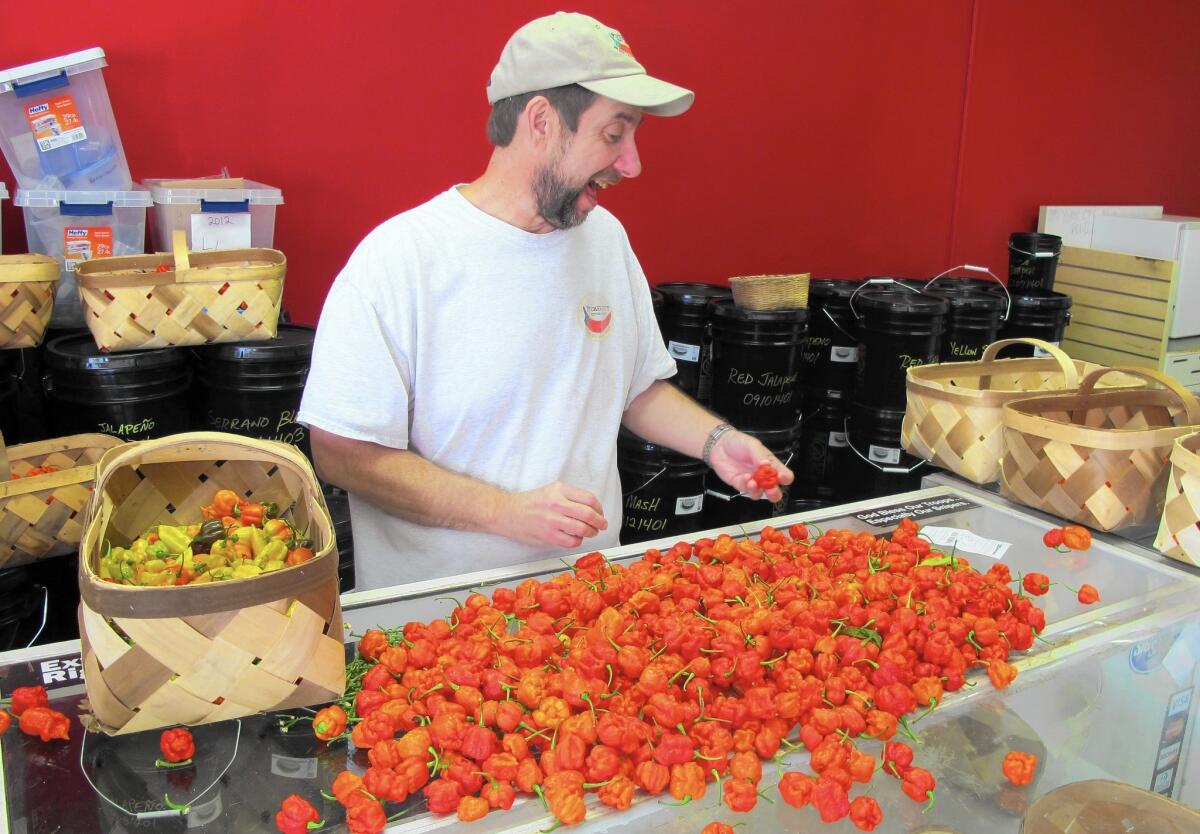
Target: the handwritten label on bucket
(220, 230)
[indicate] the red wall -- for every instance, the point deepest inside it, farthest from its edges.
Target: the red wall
(850, 138)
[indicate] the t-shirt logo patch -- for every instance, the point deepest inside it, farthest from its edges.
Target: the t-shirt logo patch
(597, 319)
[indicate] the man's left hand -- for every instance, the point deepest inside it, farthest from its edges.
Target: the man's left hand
(737, 455)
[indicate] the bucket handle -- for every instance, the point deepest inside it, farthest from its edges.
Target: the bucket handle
(726, 497)
(894, 470)
(646, 484)
(1035, 254)
(970, 268)
(858, 289)
(829, 316)
(45, 614)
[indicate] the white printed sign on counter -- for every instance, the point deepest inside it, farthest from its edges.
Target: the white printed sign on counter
(966, 540)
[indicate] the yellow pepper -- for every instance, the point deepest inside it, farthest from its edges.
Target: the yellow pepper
(174, 538)
(274, 550)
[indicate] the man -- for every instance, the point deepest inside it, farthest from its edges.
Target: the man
(478, 353)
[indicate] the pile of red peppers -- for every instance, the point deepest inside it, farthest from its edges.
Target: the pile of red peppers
(681, 673)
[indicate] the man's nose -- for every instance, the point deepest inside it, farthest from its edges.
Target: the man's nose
(629, 163)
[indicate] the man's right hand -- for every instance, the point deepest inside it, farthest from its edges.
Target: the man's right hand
(557, 514)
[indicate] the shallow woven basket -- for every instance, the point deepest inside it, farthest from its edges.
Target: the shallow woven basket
(770, 292)
(194, 654)
(955, 413)
(27, 284)
(199, 298)
(1097, 458)
(1101, 806)
(42, 515)
(1179, 530)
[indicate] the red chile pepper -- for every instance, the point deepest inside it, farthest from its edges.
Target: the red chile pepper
(498, 795)
(673, 749)
(442, 795)
(1088, 594)
(365, 816)
(618, 793)
(384, 783)
(740, 795)
(1019, 767)
(294, 815)
(329, 723)
(865, 813)
(5, 722)
(652, 777)
(45, 723)
(478, 743)
(371, 730)
(830, 800)
(177, 745)
(345, 785)
(796, 788)
(918, 784)
(1036, 584)
(1053, 539)
(897, 758)
(24, 697)
(1001, 673)
(472, 808)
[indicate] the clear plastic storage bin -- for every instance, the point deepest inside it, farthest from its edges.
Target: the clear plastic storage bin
(56, 125)
(76, 226)
(3, 197)
(226, 213)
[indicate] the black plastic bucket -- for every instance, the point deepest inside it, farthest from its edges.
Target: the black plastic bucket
(822, 452)
(254, 388)
(338, 503)
(897, 329)
(1032, 261)
(723, 506)
(657, 299)
(877, 465)
(830, 353)
(134, 395)
(757, 366)
(21, 602)
(662, 490)
(683, 321)
(10, 373)
(974, 319)
(1042, 317)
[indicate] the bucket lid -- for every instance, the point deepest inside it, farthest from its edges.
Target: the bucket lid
(895, 300)
(871, 414)
(1035, 241)
(294, 341)
(832, 289)
(79, 353)
(228, 190)
(724, 308)
(692, 295)
(1050, 301)
(72, 64)
(138, 197)
(775, 437)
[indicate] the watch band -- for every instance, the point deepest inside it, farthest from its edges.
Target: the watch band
(710, 443)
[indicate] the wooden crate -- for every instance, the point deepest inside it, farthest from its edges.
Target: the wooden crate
(1121, 312)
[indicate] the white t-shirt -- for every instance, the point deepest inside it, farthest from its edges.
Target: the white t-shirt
(490, 351)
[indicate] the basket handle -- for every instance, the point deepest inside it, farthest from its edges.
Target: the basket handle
(179, 248)
(1191, 407)
(1069, 371)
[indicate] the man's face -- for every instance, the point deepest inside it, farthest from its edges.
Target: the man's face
(599, 154)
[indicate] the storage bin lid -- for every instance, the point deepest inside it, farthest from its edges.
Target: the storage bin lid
(73, 64)
(3, 191)
(226, 190)
(139, 197)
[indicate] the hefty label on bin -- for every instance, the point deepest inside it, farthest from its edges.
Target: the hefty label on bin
(84, 244)
(55, 123)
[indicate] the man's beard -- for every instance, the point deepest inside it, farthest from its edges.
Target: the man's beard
(556, 200)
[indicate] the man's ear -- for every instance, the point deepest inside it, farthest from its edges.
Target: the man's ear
(542, 123)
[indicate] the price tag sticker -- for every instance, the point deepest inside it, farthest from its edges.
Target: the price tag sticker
(220, 230)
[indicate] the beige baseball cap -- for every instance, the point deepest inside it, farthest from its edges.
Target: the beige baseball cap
(571, 48)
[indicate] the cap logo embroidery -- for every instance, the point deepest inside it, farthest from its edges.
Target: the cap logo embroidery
(620, 45)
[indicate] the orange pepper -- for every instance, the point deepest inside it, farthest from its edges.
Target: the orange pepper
(1076, 537)
(1019, 767)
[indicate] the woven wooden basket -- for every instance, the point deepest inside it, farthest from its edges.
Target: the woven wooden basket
(156, 656)
(198, 298)
(955, 414)
(27, 284)
(1097, 458)
(770, 292)
(42, 515)
(1179, 529)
